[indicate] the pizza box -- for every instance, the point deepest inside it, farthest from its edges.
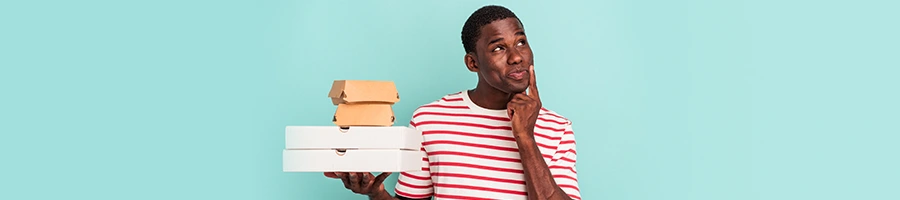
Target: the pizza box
(354, 137)
(352, 160)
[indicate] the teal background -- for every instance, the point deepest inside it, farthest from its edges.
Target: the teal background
(670, 99)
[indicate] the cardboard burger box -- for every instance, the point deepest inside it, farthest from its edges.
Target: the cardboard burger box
(365, 114)
(353, 149)
(363, 91)
(363, 102)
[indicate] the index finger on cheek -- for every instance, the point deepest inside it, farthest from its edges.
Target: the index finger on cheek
(532, 88)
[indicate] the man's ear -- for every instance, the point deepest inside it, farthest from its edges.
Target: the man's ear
(470, 62)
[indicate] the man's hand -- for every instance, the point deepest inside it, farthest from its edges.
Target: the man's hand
(364, 183)
(524, 107)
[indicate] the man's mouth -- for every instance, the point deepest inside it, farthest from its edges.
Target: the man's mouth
(518, 74)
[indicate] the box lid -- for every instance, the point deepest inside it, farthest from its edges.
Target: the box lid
(333, 137)
(365, 114)
(358, 91)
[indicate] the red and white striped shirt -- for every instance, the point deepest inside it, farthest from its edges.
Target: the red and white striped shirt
(471, 152)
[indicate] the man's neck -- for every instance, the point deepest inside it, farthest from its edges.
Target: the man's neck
(489, 97)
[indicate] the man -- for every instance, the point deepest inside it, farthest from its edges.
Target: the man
(492, 142)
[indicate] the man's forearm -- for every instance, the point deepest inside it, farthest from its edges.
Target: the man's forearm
(539, 181)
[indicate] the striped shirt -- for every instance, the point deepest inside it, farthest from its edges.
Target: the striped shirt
(471, 152)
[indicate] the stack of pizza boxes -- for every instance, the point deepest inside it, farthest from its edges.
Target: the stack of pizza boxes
(363, 139)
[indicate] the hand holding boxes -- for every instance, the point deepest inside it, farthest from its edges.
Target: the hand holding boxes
(362, 141)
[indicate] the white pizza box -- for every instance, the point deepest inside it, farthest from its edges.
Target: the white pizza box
(354, 137)
(352, 160)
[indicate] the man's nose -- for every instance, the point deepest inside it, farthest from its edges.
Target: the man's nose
(514, 57)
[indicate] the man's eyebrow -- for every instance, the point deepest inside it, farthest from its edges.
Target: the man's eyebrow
(520, 33)
(495, 40)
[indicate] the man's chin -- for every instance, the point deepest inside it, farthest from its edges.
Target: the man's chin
(517, 89)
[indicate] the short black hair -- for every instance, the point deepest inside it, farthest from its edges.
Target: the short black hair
(483, 16)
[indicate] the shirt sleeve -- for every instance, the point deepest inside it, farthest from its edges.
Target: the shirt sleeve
(415, 184)
(563, 168)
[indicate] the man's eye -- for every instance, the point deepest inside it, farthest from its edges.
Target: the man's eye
(498, 48)
(521, 43)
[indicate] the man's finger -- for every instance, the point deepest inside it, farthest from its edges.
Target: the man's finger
(366, 178)
(370, 180)
(532, 88)
(514, 102)
(344, 179)
(362, 179)
(354, 180)
(380, 178)
(331, 175)
(521, 96)
(366, 182)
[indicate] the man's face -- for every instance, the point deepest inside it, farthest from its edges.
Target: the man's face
(503, 56)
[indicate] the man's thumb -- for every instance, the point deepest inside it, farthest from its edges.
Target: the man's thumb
(380, 178)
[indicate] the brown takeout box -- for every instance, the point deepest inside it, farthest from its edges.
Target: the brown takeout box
(366, 114)
(359, 91)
